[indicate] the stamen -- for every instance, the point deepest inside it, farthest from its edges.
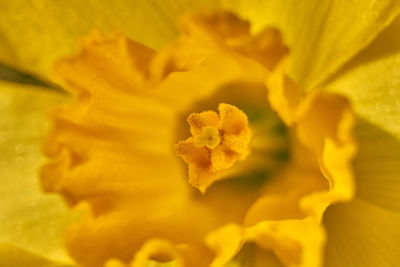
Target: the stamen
(216, 144)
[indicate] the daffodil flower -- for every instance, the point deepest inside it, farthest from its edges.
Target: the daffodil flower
(257, 133)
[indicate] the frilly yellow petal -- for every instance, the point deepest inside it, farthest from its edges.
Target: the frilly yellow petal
(325, 125)
(323, 147)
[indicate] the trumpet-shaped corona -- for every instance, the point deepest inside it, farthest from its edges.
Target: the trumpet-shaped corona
(268, 163)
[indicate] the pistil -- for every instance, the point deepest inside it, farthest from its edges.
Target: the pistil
(216, 144)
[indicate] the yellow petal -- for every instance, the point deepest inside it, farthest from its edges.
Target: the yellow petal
(28, 218)
(12, 256)
(371, 82)
(35, 33)
(361, 234)
(322, 35)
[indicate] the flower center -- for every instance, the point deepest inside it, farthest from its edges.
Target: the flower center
(217, 143)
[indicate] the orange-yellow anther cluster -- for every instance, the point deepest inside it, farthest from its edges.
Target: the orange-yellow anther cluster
(217, 142)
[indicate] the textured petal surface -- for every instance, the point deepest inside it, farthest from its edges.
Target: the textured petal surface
(322, 35)
(33, 34)
(28, 218)
(372, 83)
(12, 256)
(361, 234)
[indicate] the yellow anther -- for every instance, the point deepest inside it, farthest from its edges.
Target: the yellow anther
(209, 137)
(217, 142)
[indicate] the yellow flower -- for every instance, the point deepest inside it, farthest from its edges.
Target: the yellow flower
(112, 148)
